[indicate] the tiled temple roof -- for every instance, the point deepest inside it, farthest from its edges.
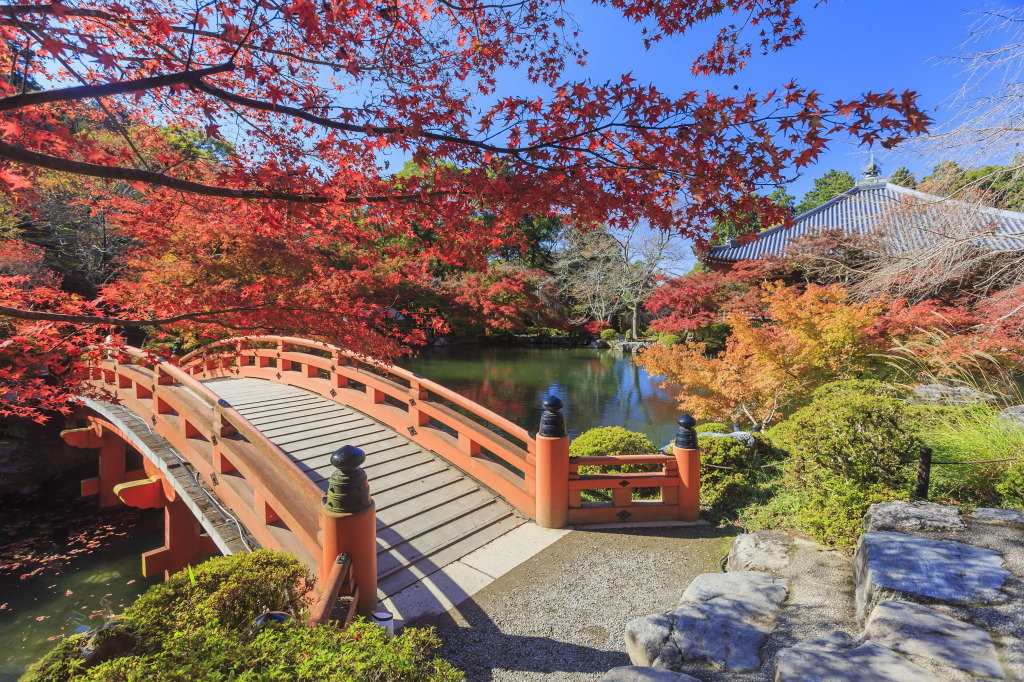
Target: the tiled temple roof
(871, 207)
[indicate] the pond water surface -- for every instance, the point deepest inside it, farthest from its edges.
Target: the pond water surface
(598, 387)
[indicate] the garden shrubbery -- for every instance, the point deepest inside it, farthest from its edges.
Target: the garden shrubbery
(713, 427)
(609, 334)
(851, 447)
(198, 626)
(613, 441)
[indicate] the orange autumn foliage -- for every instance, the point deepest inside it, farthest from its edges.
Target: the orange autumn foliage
(809, 337)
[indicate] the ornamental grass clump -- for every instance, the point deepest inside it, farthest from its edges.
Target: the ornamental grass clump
(199, 626)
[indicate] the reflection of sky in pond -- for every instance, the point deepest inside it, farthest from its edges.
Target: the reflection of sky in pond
(599, 388)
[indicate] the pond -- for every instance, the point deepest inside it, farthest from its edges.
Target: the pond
(598, 387)
(66, 566)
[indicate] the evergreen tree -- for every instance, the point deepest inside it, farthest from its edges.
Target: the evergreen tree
(904, 178)
(829, 186)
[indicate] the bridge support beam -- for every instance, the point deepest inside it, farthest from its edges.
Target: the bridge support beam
(112, 468)
(183, 542)
(552, 467)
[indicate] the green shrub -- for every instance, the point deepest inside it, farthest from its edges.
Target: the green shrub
(612, 441)
(861, 438)
(609, 334)
(1011, 485)
(849, 448)
(670, 339)
(863, 386)
(202, 630)
(713, 427)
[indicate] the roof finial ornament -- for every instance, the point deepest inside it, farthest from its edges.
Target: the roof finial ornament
(873, 170)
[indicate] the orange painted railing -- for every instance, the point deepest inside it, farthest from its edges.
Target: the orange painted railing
(428, 413)
(275, 500)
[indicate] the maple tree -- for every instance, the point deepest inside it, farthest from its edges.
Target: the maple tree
(811, 336)
(296, 224)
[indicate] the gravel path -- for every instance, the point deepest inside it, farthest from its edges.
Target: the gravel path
(562, 614)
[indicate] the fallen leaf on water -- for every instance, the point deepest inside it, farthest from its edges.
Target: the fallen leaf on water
(68, 593)
(40, 617)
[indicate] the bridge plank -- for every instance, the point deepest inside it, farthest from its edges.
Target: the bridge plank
(429, 513)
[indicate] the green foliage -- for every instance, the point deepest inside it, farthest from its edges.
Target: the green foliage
(202, 630)
(609, 334)
(827, 187)
(713, 427)
(612, 441)
(902, 177)
(726, 472)
(859, 437)
(670, 339)
(868, 387)
(713, 336)
(851, 447)
(1011, 485)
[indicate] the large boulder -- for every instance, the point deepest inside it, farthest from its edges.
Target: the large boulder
(837, 657)
(599, 343)
(899, 566)
(908, 517)
(921, 631)
(764, 550)
(722, 620)
(941, 394)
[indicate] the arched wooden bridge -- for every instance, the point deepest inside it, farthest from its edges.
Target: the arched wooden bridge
(237, 439)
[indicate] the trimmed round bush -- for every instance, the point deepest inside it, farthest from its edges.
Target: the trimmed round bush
(670, 339)
(612, 441)
(861, 438)
(609, 334)
(849, 448)
(713, 427)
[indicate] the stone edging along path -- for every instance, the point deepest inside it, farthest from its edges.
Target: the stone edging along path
(936, 596)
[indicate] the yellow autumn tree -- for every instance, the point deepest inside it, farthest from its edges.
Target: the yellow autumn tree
(807, 338)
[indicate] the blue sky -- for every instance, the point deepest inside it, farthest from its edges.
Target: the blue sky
(849, 48)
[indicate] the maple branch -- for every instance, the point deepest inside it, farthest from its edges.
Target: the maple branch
(6, 311)
(56, 163)
(107, 89)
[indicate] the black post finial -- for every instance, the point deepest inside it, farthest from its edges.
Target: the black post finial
(552, 423)
(686, 436)
(348, 491)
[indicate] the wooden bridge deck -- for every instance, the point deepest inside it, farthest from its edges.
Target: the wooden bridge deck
(429, 513)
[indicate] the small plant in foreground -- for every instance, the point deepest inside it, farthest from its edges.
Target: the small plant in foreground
(200, 628)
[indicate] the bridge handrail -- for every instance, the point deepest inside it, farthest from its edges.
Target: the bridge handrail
(462, 401)
(275, 455)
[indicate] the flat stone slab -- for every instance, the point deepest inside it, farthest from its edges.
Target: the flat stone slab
(722, 620)
(837, 657)
(908, 517)
(899, 566)
(636, 673)
(1011, 516)
(921, 631)
(764, 550)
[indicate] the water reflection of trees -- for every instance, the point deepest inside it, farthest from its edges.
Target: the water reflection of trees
(598, 388)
